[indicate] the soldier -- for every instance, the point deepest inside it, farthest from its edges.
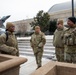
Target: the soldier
(8, 41)
(57, 41)
(70, 41)
(37, 43)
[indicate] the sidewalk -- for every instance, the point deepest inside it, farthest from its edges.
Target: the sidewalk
(30, 66)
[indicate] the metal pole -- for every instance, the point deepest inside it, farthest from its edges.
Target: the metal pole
(73, 8)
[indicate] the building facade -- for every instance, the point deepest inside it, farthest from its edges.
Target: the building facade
(57, 11)
(62, 11)
(23, 25)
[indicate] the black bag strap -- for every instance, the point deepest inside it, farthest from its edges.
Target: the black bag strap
(6, 36)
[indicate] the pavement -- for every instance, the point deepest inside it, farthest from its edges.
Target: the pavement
(25, 51)
(30, 66)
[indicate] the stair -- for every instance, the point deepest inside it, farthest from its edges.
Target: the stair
(26, 50)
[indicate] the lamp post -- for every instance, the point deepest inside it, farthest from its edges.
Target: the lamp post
(73, 8)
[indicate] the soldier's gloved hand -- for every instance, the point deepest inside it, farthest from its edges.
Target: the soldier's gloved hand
(14, 52)
(39, 47)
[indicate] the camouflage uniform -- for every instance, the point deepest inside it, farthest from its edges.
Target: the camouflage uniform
(70, 45)
(9, 45)
(37, 43)
(58, 43)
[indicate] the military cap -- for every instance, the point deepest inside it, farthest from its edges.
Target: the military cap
(73, 19)
(9, 24)
(60, 22)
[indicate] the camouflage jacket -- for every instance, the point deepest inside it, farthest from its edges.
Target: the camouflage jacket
(10, 46)
(37, 41)
(70, 40)
(70, 36)
(58, 37)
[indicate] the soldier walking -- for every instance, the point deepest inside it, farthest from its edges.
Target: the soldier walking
(57, 41)
(37, 42)
(70, 41)
(8, 41)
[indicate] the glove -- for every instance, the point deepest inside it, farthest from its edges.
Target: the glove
(14, 52)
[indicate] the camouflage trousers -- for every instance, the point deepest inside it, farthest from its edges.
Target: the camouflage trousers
(59, 54)
(38, 57)
(70, 54)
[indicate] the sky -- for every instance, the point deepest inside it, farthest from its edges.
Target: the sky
(25, 9)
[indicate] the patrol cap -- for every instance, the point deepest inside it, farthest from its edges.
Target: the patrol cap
(60, 22)
(73, 19)
(37, 27)
(9, 24)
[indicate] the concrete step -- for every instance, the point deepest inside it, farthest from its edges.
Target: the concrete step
(21, 42)
(51, 56)
(47, 40)
(26, 44)
(45, 51)
(30, 49)
(45, 47)
(25, 49)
